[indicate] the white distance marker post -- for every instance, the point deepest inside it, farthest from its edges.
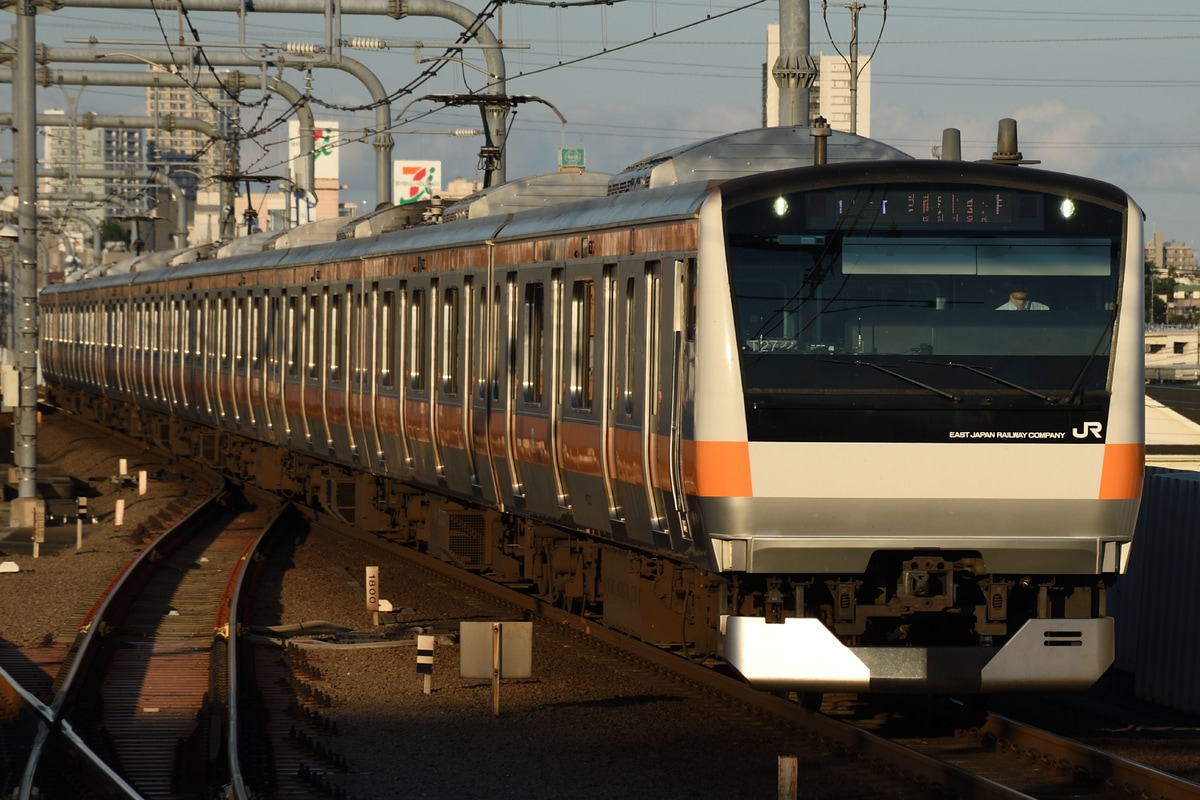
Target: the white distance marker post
(373, 593)
(425, 660)
(122, 467)
(80, 513)
(119, 513)
(788, 777)
(141, 482)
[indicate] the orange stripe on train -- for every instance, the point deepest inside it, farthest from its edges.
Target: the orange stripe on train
(1121, 475)
(716, 469)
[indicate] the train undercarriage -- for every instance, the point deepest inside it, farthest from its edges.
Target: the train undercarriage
(908, 616)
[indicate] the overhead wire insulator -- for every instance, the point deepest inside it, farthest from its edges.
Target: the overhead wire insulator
(302, 48)
(365, 43)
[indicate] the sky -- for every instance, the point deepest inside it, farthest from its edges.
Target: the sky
(1103, 88)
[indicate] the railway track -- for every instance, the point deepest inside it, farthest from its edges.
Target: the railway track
(999, 758)
(147, 703)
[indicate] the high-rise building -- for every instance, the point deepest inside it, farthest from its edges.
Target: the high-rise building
(195, 153)
(72, 148)
(830, 94)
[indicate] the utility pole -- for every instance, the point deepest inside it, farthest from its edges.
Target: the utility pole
(25, 270)
(854, 8)
(793, 69)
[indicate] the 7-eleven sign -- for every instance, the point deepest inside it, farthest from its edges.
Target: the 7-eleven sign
(416, 180)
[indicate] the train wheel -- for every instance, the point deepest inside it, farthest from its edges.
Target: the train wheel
(810, 701)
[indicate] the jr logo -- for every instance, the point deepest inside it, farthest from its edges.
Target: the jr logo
(1088, 429)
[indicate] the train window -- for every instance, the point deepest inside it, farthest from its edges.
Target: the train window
(335, 337)
(450, 355)
(271, 337)
(357, 345)
(654, 301)
(498, 364)
(292, 331)
(387, 333)
(239, 332)
(480, 345)
(224, 326)
(255, 334)
(175, 329)
(416, 342)
(583, 342)
(535, 321)
(311, 325)
(187, 331)
(631, 343)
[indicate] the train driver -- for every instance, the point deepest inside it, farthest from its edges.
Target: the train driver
(1018, 298)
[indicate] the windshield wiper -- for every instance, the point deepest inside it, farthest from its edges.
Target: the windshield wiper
(895, 374)
(991, 377)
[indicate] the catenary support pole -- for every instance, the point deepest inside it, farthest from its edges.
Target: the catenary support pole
(25, 440)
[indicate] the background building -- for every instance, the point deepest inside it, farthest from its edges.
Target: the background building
(1172, 258)
(190, 157)
(830, 95)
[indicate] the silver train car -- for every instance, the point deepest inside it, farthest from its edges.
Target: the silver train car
(873, 425)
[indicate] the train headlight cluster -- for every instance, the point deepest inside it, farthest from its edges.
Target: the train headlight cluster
(1067, 208)
(780, 207)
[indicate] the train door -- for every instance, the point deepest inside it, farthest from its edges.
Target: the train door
(583, 410)
(452, 412)
(482, 370)
(291, 360)
(208, 354)
(635, 403)
(553, 366)
(194, 402)
(156, 351)
(419, 363)
(240, 367)
(271, 396)
(403, 356)
(655, 430)
(609, 336)
(137, 330)
(464, 370)
(364, 309)
(437, 344)
(170, 371)
(310, 403)
(504, 389)
(683, 330)
(533, 407)
(117, 355)
(386, 408)
(320, 367)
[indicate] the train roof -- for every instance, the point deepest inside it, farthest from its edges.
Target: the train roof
(751, 152)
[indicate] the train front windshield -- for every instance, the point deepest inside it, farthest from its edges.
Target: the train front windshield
(897, 292)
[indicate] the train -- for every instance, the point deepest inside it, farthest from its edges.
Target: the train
(835, 417)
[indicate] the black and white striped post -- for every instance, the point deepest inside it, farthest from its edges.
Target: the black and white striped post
(425, 660)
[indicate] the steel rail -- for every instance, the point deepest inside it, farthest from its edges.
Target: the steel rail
(237, 597)
(1130, 777)
(88, 651)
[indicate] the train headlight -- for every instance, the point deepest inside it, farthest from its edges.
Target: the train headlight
(780, 207)
(1067, 208)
